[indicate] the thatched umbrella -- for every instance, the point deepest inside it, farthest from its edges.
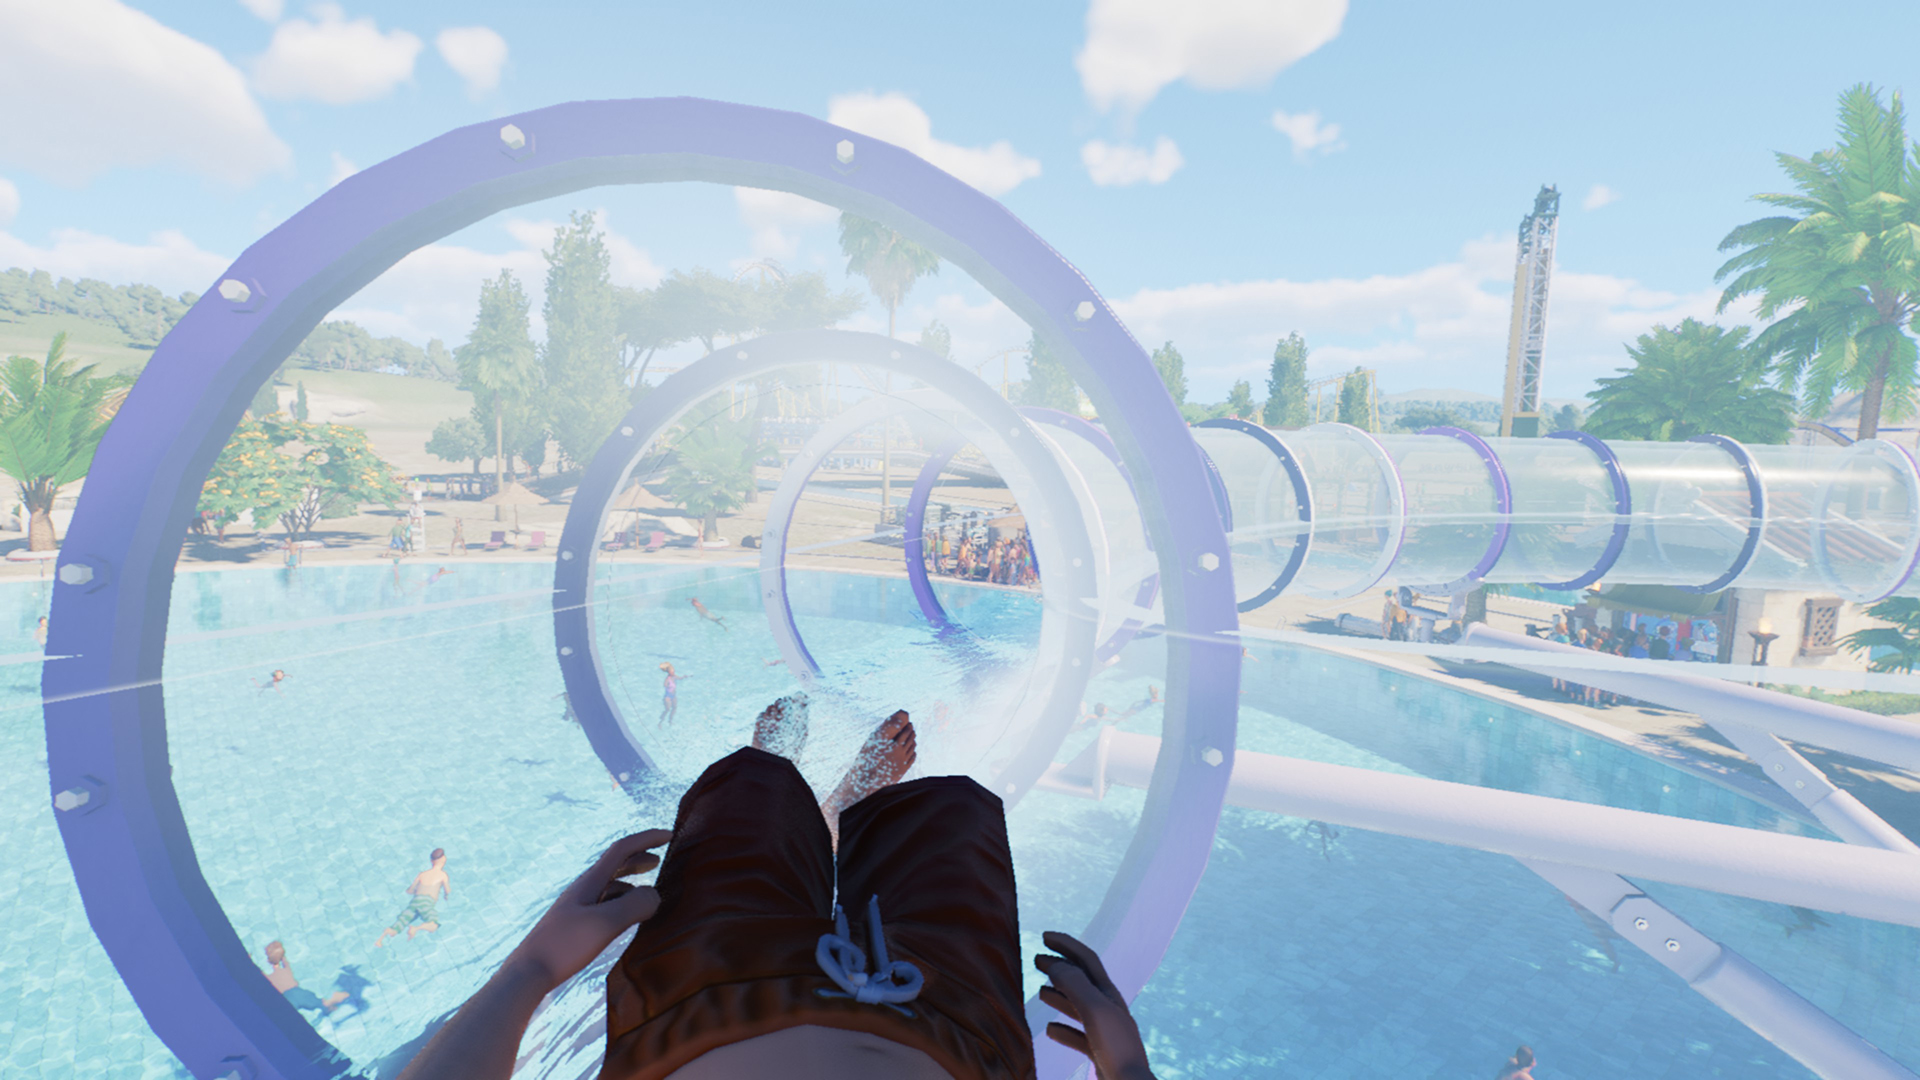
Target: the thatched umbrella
(513, 495)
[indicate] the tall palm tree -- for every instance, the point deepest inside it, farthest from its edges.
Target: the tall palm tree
(713, 472)
(52, 416)
(498, 358)
(1841, 269)
(891, 263)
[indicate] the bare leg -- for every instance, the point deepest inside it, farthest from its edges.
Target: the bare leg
(381, 941)
(423, 928)
(885, 757)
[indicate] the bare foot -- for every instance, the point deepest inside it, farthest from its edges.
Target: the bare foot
(782, 727)
(883, 759)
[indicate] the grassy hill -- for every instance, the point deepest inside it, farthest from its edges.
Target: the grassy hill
(87, 341)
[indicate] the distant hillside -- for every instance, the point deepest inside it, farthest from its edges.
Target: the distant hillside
(113, 324)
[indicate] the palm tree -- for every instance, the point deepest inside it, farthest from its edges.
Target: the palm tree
(712, 472)
(52, 416)
(1693, 379)
(1841, 269)
(1902, 639)
(498, 358)
(891, 263)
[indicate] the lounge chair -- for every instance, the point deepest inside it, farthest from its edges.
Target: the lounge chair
(537, 540)
(656, 540)
(497, 541)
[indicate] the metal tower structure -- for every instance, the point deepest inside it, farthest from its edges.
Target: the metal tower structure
(1527, 338)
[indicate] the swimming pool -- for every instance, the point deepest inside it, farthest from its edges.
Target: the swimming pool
(436, 722)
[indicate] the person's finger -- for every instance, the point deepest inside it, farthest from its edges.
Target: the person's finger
(618, 854)
(615, 889)
(1060, 1003)
(1084, 957)
(636, 906)
(1072, 1038)
(1071, 980)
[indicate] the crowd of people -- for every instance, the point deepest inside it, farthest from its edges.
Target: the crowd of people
(1005, 560)
(1631, 643)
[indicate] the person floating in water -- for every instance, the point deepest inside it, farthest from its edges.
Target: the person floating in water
(438, 574)
(280, 974)
(1152, 698)
(1094, 718)
(273, 681)
(428, 888)
(717, 620)
(669, 692)
(40, 630)
(1519, 1066)
(743, 966)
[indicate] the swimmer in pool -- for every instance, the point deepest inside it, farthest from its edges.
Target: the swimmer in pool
(40, 631)
(428, 887)
(280, 974)
(1152, 698)
(717, 620)
(273, 682)
(1098, 716)
(669, 693)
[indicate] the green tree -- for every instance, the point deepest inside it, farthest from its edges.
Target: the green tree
(497, 361)
(586, 391)
(1287, 384)
(1173, 371)
(439, 362)
(1901, 640)
(292, 470)
(1240, 401)
(1421, 417)
(889, 262)
(937, 339)
(52, 416)
(1567, 418)
(457, 439)
(1693, 379)
(1839, 273)
(1356, 400)
(696, 305)
(1048, 385)
(300, 410)
(712, 472)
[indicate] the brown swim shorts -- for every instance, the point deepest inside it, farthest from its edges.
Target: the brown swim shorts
(747, 890)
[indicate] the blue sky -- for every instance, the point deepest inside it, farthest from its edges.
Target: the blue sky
(1224, 170)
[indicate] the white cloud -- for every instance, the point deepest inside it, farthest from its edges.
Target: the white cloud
(341, 169)
(1598, 196)
(1136, 48)
(1307, 132)
(98, 85)
(434, 291)
(168, 260)
(9, 202)
(265, 9)
(335, 60)
(775, 217)
(1444, 325)
(1118, 165)
(476, 53)
(995, 169)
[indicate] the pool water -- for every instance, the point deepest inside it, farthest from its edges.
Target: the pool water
(437, 721)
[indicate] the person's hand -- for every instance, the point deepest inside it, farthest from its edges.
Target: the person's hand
(590, 913)
(1081, 989)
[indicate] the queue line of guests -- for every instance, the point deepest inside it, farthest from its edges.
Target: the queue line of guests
(1634, 644)
(1003, 561)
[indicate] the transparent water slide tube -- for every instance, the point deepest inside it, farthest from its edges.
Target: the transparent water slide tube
(1456, 503)
(1121, 560)
(1565, 526)
(1359, 510)
(1794, 477)
(1271, 520)
(1865, 527)
(1698, 513)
